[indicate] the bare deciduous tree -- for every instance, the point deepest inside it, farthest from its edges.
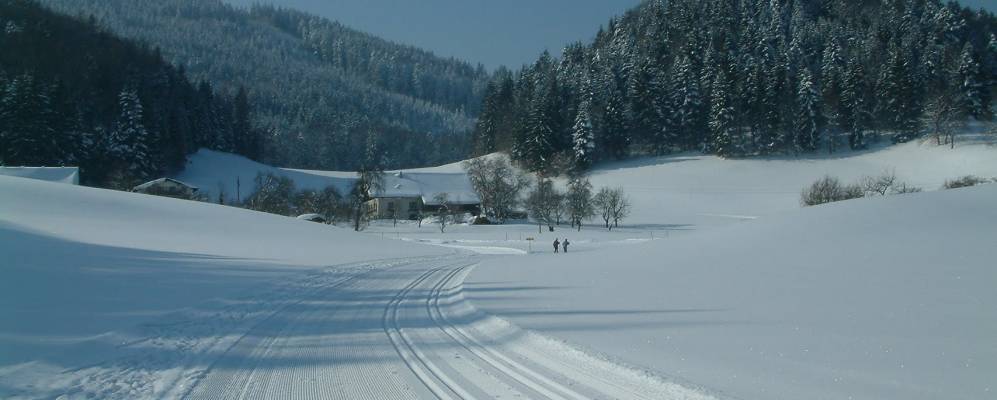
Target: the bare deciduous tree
(498, 184)
(886, 183)
(274, 194)
(578, 202)
(880, 185)
(944, 116)
(613, 205)
(444, 212)
(543, 203)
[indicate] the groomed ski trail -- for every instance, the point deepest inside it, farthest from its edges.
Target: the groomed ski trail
(407, 332)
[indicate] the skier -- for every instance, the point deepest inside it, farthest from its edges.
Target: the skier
(556, 244)
(565, 244)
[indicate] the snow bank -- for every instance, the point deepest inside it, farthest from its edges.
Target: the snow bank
(879, 298)
(79, 264)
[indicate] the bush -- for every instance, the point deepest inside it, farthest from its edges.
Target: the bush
(829, 189)
(886, 183)
(965, 181)
(274, 194)
(903, 188)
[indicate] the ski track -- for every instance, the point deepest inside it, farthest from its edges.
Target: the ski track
(393, 329)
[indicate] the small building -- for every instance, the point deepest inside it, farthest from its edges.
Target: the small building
(411, 195)
(167, 187)
(68, 175)
(318, 218)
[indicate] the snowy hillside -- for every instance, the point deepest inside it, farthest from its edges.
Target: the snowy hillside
(881, 298)
(705, 190)
(86, 271)
(215, 172)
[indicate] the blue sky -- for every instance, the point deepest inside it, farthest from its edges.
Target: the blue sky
(502, 32)
(492, 32)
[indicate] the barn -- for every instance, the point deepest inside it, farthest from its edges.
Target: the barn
(411, 195)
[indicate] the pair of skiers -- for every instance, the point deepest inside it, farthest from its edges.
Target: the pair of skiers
(563, 245)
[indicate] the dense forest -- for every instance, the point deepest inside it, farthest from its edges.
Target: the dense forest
(317, 88)
(746, 77)
(74, 94)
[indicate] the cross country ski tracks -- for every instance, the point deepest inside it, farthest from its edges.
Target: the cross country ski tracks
(404, 330)
(547, 368)
(241, 369)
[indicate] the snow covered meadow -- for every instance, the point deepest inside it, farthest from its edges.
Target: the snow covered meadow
(88, 271)
(718, 286)
(868, 299)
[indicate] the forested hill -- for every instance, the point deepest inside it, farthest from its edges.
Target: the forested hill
(73, 94)
(318, 87)
(747, 77)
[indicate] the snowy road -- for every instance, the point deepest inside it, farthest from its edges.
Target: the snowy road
(405, 331)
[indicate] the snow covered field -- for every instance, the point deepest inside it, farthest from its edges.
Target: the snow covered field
(116, 295)
(869, 299)
(87, 272)
(719, 286)
(752, 296)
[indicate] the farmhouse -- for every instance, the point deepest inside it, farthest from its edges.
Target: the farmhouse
(69, 175)
(410, 195)
(167, 187)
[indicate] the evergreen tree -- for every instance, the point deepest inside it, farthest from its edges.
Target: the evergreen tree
(854, 107)
(243, 136)
(723, 141)
(664, 131)
(973, 100)
(688, 105)
(486, 130)
(831, 88)
(543, 126)
(27, 131)
(130, 143)
(614, 138)
(583, 139)
(898, 104)
(808, 116)
(641, 95)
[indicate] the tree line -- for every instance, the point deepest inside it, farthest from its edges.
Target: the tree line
(73, 94)
(746, 77)
(504, 189)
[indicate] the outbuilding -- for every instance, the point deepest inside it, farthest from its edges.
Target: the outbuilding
(167, 187)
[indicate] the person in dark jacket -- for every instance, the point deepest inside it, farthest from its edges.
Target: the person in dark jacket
(565, 244)
(556, 244)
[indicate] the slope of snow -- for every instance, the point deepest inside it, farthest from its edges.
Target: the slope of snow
(85, 271)
(215, 172)
(706, 190)
(70, 175)
(880, 298)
